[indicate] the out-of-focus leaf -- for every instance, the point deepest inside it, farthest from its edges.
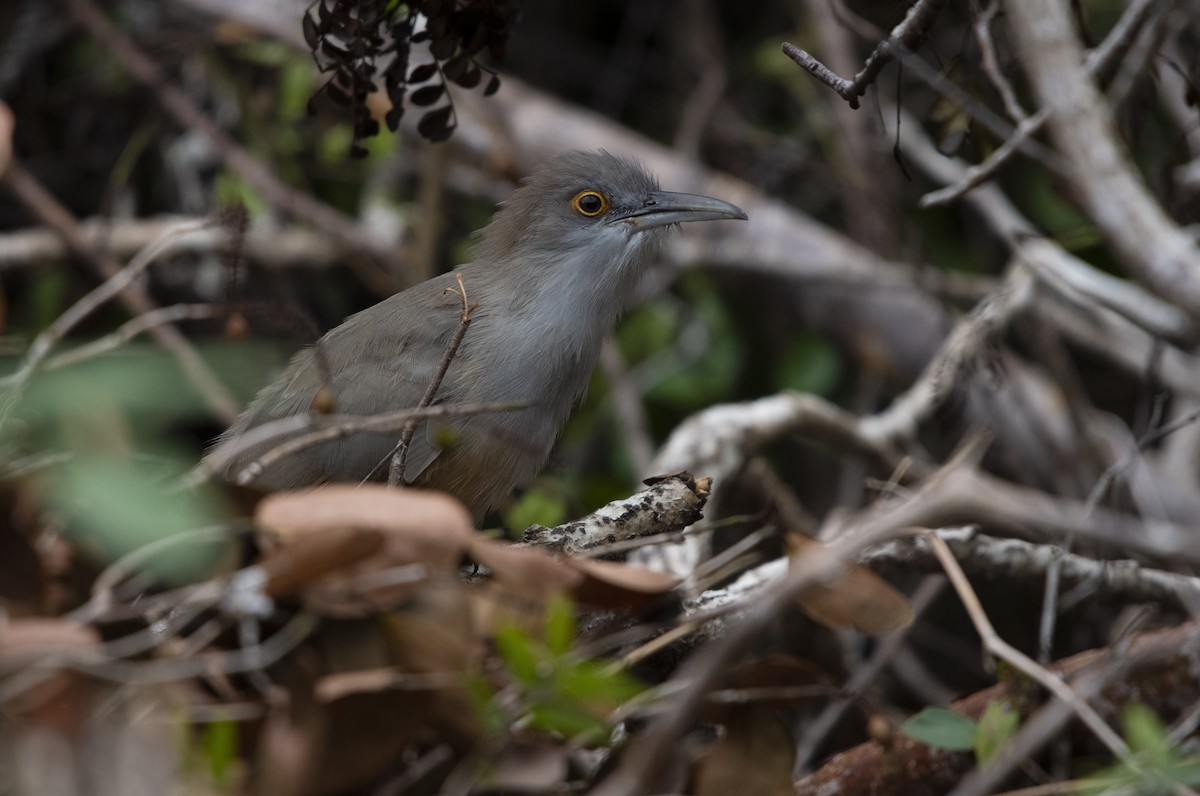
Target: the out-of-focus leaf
(755, 755)
(942, 728)
(595, 682)
(516, 648)
(568, 720)
(536, 507)
(560, 625)
(1147, 736)
(119, 504)
(997, 726)
(810, 364)
(220, 747)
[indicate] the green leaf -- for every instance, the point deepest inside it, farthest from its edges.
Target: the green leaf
(942, 728)
(117, 504)
(536, 507)
(568, 720)
(560, 626)
(810, 364)
(596, 682)
(231, 190)
(1146, 735)
(220, 747)
(997, 726)
(516, 648)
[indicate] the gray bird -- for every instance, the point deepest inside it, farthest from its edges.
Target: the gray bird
(551, 273)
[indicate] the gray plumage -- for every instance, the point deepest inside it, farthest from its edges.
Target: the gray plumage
(548, 281)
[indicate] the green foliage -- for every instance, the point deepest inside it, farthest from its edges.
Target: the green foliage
(109, 422)
(1159, 768)
(559, 693)
(537, 506)
(997, 726)
(946, 729)
(942, 728)
(118, 504)
(810, 364)
(230, 190)
(696, 354)
(220, 748)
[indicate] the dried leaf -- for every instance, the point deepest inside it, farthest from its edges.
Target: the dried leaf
(311, 557)
(857, 598)
(755, 755)
(526, 570)
(611, 584)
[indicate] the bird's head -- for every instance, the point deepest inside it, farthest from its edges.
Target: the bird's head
(590, 210)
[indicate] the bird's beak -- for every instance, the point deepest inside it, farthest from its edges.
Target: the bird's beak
(664, 207)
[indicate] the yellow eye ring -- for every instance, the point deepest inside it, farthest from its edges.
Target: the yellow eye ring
(590, 203)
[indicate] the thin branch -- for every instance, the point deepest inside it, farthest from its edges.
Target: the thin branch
(1113, 193)
(269, 245)
(1064, 271)
(330, 427)
(132, 328)
(190, 116)
(42, 345)
(907, 36)
(50, 212)
(1016, 561)
(700, 674)
(991, 64)
(1100, 62)
(399, 456)
(1001, 648)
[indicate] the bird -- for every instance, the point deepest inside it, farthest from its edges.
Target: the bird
(548, 278)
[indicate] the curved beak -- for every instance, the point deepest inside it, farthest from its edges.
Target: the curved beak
(664, 207)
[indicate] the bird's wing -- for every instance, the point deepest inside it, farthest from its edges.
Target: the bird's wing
(379, 360)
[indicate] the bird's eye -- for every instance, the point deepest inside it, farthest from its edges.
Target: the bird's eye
(590, 203)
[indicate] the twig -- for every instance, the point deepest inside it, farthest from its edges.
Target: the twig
(940, 376)
(1100, 62)
(816, 730)
(271, 246)
(188, 115)
(672, 504)
(41, 346)
(991, 64)
(132, 328)
(628, 411)
(908, 35)
(1001, 648)
(1065, 272)
(1016, 560)
(47, 209)
(1111, 190)
(330, 427)
(399, 456)
(700, 674)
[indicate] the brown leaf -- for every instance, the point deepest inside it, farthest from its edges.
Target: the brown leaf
(777, 680)
(611, 584)
(25, 640)
(526, 571)
(755, 755)
(857, 598)
(308, 558)
(363, 530)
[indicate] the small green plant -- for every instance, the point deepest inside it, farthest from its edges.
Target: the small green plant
(1159, 765)
(556, 691)
(946, 729)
